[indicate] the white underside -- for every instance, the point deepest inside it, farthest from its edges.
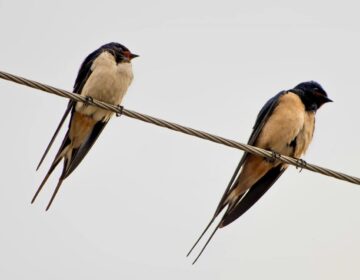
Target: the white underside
(108, 83)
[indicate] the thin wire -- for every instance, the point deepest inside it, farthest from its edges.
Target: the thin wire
(119, 110)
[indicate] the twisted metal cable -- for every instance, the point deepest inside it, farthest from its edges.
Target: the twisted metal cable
(119, 110)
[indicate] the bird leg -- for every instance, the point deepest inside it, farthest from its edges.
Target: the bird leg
(273, 157)
(300, 163)
(121, 110)
(89, 100)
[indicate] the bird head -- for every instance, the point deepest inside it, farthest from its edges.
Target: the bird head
(120, 52)
(312, 94)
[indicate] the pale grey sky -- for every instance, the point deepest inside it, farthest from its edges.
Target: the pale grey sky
(140, 198)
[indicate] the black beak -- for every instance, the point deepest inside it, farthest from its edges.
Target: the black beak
(327, 99)
(133, 55)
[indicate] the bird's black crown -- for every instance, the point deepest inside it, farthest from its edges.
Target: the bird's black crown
(114, 46)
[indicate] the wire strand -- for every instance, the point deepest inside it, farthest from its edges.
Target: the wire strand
(119, 110)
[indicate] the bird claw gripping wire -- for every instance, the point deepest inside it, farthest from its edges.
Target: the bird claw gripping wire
(273, 157)
(300, 163)
(120, 110)
(89, 100)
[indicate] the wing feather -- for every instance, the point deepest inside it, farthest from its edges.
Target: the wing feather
(261, 119)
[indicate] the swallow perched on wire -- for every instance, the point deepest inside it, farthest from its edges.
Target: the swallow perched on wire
(104, 75)
(285, 125)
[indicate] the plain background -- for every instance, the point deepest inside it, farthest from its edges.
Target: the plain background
(140, 198)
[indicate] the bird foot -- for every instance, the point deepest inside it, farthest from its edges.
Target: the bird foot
(120, 110)
(89, 100)
(273, 158)
(300, 163)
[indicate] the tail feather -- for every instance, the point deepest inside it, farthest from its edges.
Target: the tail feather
(222, 204)
(207, 243)
(67, 154)
(201, 236)
(231, 184)
(52, 167)
(64, 153)
(246, 201)
(78, 155)
(239, 206)
(203, 233)
(54, 193)
(68, 109)
(72, 156)
(59, 156)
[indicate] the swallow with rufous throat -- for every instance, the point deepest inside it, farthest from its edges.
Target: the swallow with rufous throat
(104, 75)
(285, 125)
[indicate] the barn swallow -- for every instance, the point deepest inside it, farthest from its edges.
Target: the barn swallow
(104, 75)
(285, 125)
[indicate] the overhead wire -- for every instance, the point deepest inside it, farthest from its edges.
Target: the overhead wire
(120, 110)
